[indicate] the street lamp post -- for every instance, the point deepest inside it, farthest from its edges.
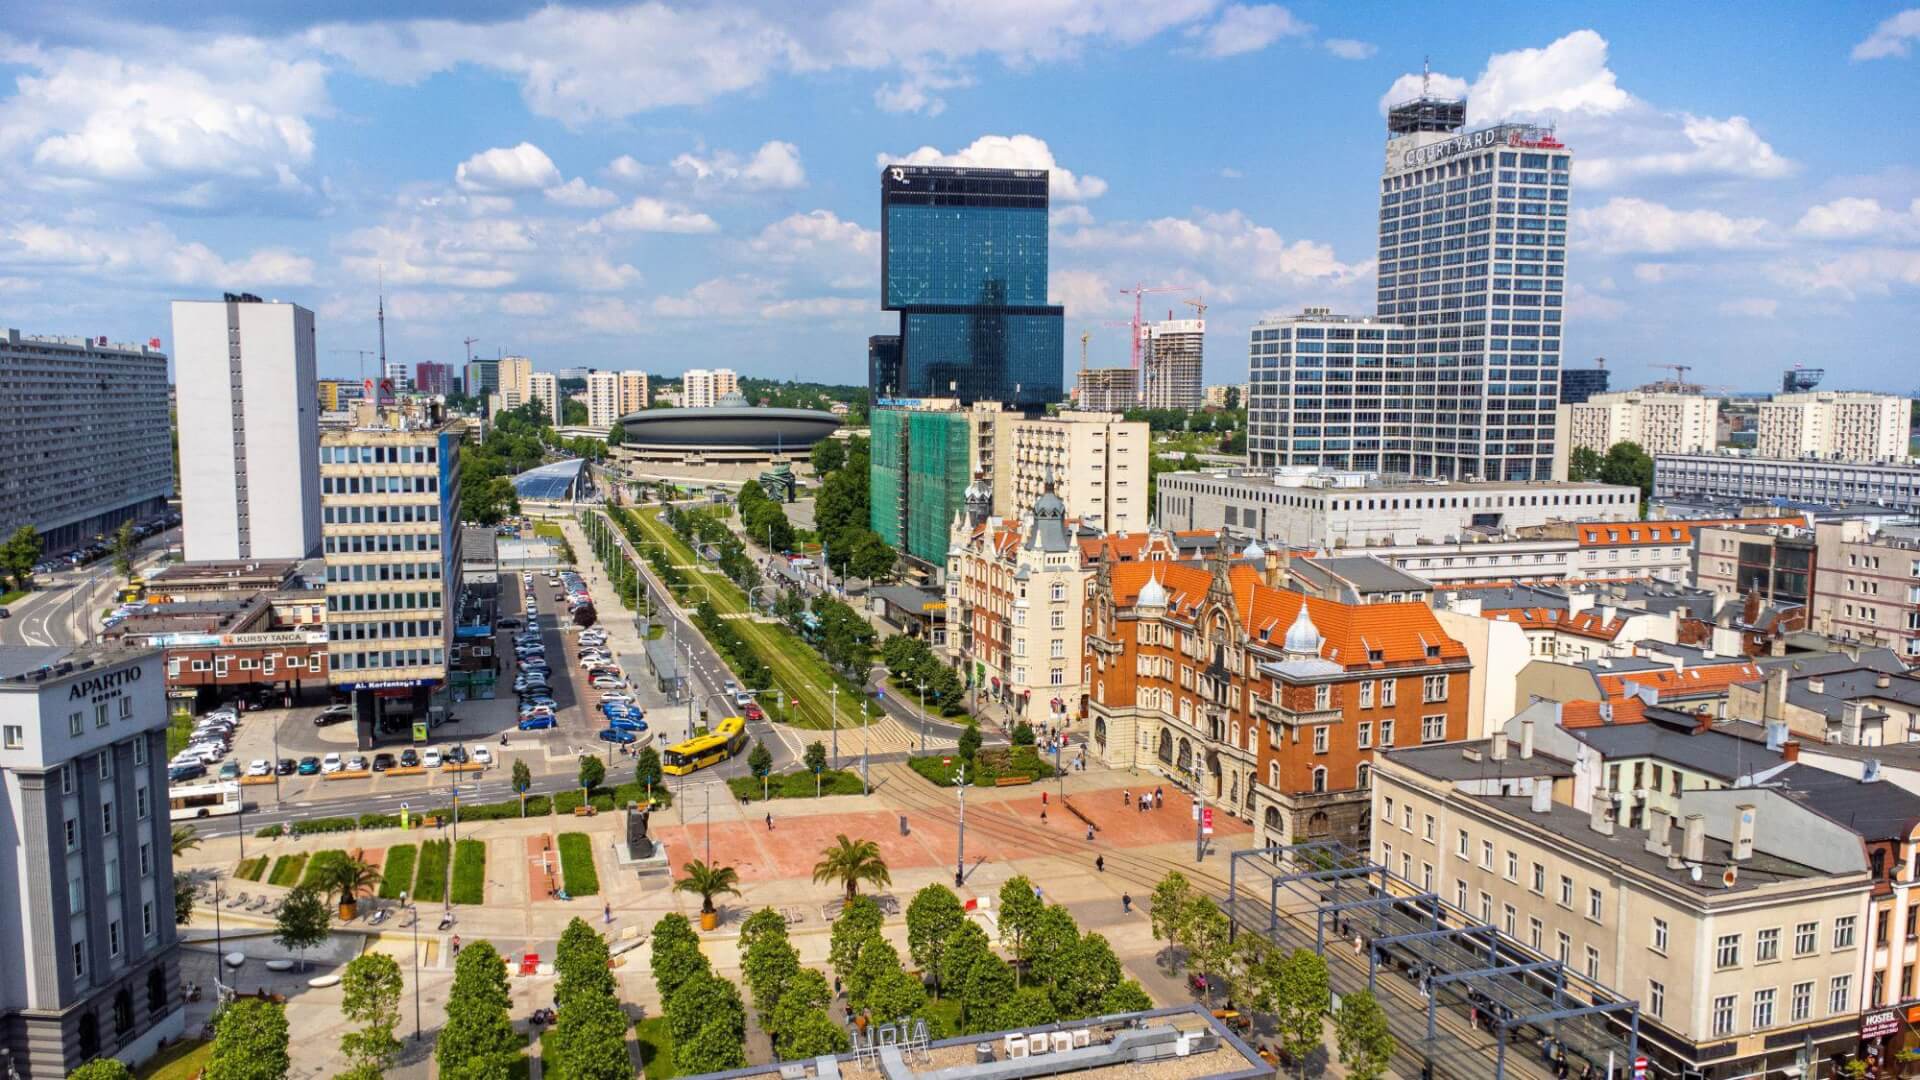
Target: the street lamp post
(960, 851)
(415, 911)
(923, 716)
(833, 692)
(866, 739)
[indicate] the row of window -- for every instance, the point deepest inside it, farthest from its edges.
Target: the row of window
(404, 514)
(388, 658)
(422, 454)
(14, 736)
(385, 601)
(379, 485)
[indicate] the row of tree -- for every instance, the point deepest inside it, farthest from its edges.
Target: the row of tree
(911, 662)
(589, 1040)
(1229, 419)
(703, 528)
(842, 511)
(791, 1000)
(765, 520)
(703, 1010)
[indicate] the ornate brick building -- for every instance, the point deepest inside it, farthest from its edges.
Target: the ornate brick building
(1218, 675)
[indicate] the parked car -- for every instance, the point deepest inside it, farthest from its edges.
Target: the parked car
(430, 759)
(285, 767)
(607, 682)
(260, 767)
(230, 771)
(618, 735)
(186, 770)
(537, 723)
(309, 766)
(482, 755)
(332, 763)
(506, 624)
(356, 763)
(409, 758)
(333, 714)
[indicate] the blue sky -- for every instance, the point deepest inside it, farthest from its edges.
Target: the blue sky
(667, 185)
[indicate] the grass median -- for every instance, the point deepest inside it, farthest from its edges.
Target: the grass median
(430, 880)
(470, 872)
(796, 785)
(577, 874)
(396, 874)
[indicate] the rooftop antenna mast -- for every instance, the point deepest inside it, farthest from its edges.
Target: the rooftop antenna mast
(1426, 76)
(381, 315)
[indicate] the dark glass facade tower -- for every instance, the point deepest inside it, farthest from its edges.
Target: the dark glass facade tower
(1580, 384)
(963, 259)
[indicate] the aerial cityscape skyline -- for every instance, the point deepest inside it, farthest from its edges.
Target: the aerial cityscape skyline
(628, 208)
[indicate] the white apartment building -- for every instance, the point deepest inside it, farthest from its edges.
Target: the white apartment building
(249, 423)
(515, 381)
(1835, 425)
(544, 387)
(703, 389)
(1319, 394)
(1172, 355)
(633, 392)
(1097, 463)
(396, 376)
(83, 436)
(1659, 423)
(603, 399)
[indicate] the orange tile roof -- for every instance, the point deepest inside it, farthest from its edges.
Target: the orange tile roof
(1401, 632)
(1129, 547)
(1630, 533)
(1694, 679)
(1580, 714)
(1587, 623)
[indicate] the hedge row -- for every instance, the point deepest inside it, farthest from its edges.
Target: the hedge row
(251, 869)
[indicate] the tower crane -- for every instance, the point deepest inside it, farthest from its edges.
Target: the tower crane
(1137, 292)
(361, 353)
(1199, 307)
(468, 342)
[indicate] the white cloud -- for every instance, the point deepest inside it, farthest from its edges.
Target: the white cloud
(1869, 270)
(647, 214)
(1663, 272)
(144, 255)
(816, 234)
(1245, 28)
(1073, 214)
(1228, 243)
(1349, 49)
(1893, 37)
(1624, 226)
(1568, 76)
(609, 316)
(423, 251)
(582, 195)
(1089, 294)
(1752, 307)
(817, 307)
(526, 304)
(774, 167)
(626, 168)
(507, 168)
(1407, 87)
(1584, 303)
(1727, 147)
(1007, 152)
(1851, 217)
(919, 91)
(718, 298)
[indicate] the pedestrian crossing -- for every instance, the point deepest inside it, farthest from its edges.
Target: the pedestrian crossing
(890, 735)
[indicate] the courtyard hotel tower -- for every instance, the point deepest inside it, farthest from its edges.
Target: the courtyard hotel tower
(1473, 258)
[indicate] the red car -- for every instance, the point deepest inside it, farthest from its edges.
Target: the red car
(752, 711)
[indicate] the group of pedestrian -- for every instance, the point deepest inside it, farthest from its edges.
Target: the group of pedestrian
(1149, 800)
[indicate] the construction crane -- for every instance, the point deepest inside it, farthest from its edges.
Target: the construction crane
(1199, 307)
(1137, 292)
(361, 353)
(468, 342)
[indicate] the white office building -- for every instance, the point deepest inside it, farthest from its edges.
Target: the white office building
(1473, 257)
(703, 389)
(83, 436)
(1173, 353)
(249, 428)
(1330, 391)
(1835, 425)
(396, 376)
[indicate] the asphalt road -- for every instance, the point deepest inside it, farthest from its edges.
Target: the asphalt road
(65, 610)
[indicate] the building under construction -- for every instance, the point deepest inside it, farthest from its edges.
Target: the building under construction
(1112, 389)
(1172, 354)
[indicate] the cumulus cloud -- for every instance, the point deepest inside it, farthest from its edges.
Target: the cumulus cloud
(1349, 49)
(1007, 152)
(774, 167)
(1585, 303)
(647, 214)
(526, 304)
(1729, 147)
(1853, 218)
(1752, 307)
(627, 169)
(1893, 37)
(1626, 226)
(816, 234)
(1229, 242)
(507, 168)
(1245, 28)
(579, 194)
(1851, 273)
(146, 254)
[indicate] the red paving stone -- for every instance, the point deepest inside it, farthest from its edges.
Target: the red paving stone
(543, 859)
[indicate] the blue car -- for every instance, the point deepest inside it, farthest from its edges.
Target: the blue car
(618, 735)
(614, 708)
(536, 723)
(626, 723)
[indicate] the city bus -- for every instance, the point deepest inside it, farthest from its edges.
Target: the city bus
(726, 740)
(187, 801)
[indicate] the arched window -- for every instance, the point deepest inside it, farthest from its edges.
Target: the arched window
(89, 1034)
(1273, 820)
(1319, 779)
(1236, 733)
(122, 1012)
(1166, 746)
(1317, 824)
(1363, 775)
(1100, 730)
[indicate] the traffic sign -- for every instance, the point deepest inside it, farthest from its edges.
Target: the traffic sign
(946, 761)
(1640, 1067)
(1206, 820)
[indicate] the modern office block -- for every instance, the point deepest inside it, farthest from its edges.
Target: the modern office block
(249, 428)
(482, 378)
(1580, 384)
(83, 436)
(1330, 391)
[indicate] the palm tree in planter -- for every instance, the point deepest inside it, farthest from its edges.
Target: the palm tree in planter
(185, 839)
(852, 862)
(351, 878)
(709, 882)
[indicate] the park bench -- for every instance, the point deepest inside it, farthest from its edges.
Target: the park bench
(1012, 781)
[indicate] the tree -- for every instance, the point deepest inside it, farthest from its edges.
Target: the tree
(371, 986)
(968, 744)
(816, 762)
(852, 862)
(1298, 991)
(676, 955)
(1030, 1006)
(805, 992)
(580, 961)
(896, 995)
(1207, 937)
(1126, 997)
(877, 957)
(185, 839)
(711, 1049)
(964, 949)
(592, 772)
(768, 963)
(1169, 906)
(102, 1068)
(760, 760)
(646, 770)
(182, 899)
(1050, 944)
(1023, 734)
(249, 1042)
(125, 547)
(813, 1033)
(592, 1036)
(350, 878)
(1019, 914)
(478, 1042)
(828, 455)
(932, 917)
(763, 923)
(859, 923)
(990, 989)
(871, 558)
(1629, 465)
(699, 1001)
(1360, 1030)
(708, 882)
(1089, 974)
(1584, 464)
(616, 434)
(303, 922)
(19, 554)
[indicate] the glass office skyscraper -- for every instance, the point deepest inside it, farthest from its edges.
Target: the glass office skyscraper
(963, 259)
(1473, 256)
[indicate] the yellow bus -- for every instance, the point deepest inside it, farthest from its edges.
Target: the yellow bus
(726, 740)
(136, 589)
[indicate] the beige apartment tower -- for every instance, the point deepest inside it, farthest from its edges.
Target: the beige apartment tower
(1835, 425)
(1097, 463)
(701, 388)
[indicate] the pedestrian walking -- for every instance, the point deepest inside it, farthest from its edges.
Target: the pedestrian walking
(1043, 815)
(1100, 863)
(1126, 903)
(1159, 796)
(609, 913)
(1126, 797)
(769, 822)
(1089, 834)
(1043, 798)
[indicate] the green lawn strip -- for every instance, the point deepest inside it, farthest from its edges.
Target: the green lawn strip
(576, 865)
(943, 1018)
(796, 785)
(989, 766)
(800, 670)
(321, 866)
(287, 870)
(470, 872)
(430, 881)
(251, 869)
(179, 733)
(11, 596)
(656, 1048)
(549, 530)
(182, 1061)
(396, 875)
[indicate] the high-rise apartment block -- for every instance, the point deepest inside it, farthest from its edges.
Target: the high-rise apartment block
(923, 458)
(1473, 256)
(392, 521)
(83, 436)
(603, 399)
(1661, 423)
(432, 378)
(396, 375)
(249, 424)
(1835, 425)
(87, 915)
(633, 392)
(1332, 391)
(1171, 354)
(963, 259)
(543, 388)
(703, 389)
(1114, 389)
(515, 380)
(1095, 463)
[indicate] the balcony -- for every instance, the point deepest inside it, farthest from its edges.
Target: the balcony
(1273, 712)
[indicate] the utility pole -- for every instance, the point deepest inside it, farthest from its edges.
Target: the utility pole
(960, 853)
(866, 738)
(833, 692)
(923, 717)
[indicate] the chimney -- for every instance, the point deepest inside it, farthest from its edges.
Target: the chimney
(1658, 826)
(1274, 573)
(1816, 685)
(1694, 841)
(1602, 818)
(1497, 751)
(1542, 795)
(1885, 680)
(1790, 750)
(1743, 821)
(1702, 722)
(1526, 738)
